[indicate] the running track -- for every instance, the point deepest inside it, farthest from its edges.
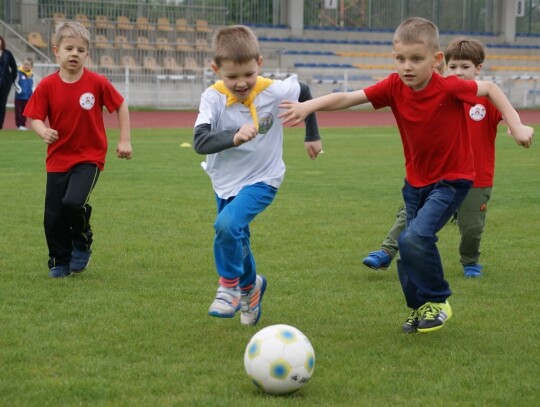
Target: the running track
(182, 119)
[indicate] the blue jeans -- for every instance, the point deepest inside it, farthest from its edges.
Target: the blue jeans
(420, 269)
(232, 249)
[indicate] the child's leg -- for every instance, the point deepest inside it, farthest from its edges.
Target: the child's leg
(77, 211)
(471, 220)
(20, 120)
(57, 230)
(390, 245)
(428, 210)
(232, 249)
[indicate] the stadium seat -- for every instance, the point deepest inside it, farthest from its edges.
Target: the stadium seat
(123, 23)
(35, 39)
(58, 18)
(121, 42)
(182, 45)
(83, 19)
(183, 26)
(127, 61)
(107, 62)
(150, 64)
(89, 63)
(144, 44)
(103, 23)
(142, 24)
(163, 24)
(170, 65)
(202, 26)
(201, 45)
(102, 42)
(162, 44)
(190, 64)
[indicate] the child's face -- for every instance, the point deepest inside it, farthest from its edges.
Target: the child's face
(71, 54)
(239, 79)
(463, 68)
(415, 63)
(27, 65)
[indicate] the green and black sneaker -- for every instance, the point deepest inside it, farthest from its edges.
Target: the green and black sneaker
(433, 315)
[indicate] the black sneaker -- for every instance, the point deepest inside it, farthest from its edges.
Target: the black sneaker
(411, 324)
(433, 315)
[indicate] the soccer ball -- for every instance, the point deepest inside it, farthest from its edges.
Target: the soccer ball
(279, 359)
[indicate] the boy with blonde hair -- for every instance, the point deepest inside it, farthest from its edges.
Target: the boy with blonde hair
(465, 58)
(72, 100)
(239, 131)
(438, 157)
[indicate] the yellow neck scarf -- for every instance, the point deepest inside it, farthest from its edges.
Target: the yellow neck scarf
(260, 85)
(27, 73)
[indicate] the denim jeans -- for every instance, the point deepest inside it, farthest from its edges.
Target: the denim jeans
(420, 269)
(232, 249)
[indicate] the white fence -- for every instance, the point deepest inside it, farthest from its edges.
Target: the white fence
(182, 92)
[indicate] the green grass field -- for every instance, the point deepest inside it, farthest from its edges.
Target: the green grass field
(133, 330)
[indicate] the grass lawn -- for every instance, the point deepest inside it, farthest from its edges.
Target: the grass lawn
(132, 330)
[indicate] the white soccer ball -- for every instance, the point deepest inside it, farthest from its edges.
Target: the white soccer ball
(279, 359)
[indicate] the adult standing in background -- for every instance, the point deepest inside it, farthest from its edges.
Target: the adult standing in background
(8, 75)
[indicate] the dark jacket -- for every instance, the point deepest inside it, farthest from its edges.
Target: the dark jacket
(8, 69)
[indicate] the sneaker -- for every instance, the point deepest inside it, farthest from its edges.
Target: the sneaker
(251, 302)
(226, 303)
(60, 271)
(411, 324)
(433, 315)
(22, 128)
(79, 260)
(378, 260)
(473, 270)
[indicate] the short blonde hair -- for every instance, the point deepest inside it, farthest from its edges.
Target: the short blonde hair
(418, 30)
(70, 29)
(235, 43)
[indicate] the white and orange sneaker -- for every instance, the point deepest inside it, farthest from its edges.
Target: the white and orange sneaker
(251, 302)
(226, 303)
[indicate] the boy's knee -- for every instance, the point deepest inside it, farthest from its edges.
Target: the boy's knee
(71, 206)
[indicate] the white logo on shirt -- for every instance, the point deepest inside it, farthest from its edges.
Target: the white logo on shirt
(87, 101)
(477, 112)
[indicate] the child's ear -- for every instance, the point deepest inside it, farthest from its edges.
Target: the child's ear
(215, 68)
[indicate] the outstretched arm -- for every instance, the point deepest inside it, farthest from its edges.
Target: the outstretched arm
(295, 113)
(522, 134)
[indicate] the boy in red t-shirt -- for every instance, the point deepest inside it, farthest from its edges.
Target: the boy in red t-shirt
(438, 156)
(72, 100)
(464, 57)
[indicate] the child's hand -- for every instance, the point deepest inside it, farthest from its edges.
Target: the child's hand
(123, 150)
(244, 134)
(313, 148)
(294, 114)
(49, 136)
(523, 135)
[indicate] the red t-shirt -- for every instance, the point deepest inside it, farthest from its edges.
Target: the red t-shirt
(75, 110)
(432, 124)
(483, 118)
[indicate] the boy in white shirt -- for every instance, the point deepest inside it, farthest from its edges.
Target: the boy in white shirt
(239, 131)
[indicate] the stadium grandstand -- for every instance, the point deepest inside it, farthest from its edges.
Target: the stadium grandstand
(157, 53)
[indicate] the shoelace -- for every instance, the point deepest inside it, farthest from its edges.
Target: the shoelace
(430, 311)
(413, 317)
